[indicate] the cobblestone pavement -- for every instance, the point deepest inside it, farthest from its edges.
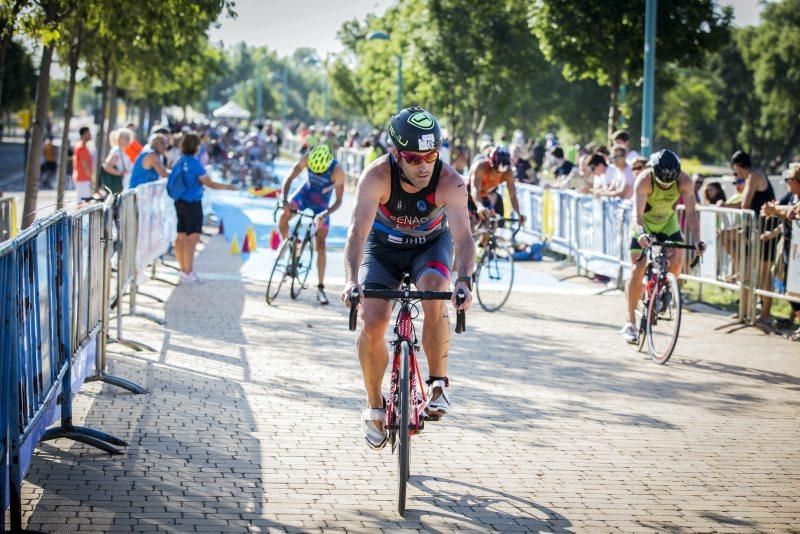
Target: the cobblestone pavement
(252, 424)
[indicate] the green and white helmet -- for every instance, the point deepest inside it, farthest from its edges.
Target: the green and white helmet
(415, 130)
(319, 159)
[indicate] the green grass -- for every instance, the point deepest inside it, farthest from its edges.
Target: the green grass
(726, 299)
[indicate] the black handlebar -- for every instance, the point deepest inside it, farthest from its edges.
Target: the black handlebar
(388, 294)
(672, 244)
(279, 206)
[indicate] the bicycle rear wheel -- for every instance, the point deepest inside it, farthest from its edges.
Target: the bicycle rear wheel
(404, 441)
(494, 277)
(280, 270)
(664, 319)
(302, 267)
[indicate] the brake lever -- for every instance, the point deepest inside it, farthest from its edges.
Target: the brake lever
(461, 316)
(354, 300)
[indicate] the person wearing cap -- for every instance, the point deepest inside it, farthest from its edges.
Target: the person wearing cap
(410, 210)
(324, 175)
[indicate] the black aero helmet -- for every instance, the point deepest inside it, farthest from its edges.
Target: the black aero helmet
(500, 156)
(415, 130)
(666, 165)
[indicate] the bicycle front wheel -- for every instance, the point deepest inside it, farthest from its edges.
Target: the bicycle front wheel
(302, 267)
(494, 278)
(641, 323)
(404, 442)
(279, 270)
(664, 319)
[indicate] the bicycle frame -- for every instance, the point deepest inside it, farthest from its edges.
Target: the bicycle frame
(404, 332)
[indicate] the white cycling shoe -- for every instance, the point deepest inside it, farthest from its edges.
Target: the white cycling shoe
(438, 403)
(630, 333)
(375, 437)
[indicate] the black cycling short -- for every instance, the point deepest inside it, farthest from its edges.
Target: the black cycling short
(384, 265)
(190, 217)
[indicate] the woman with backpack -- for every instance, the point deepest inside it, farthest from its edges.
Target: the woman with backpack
(185, 187)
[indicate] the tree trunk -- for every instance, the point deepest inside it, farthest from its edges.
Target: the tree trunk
(74, 55)
(32, 169)
(100, 142)
(113, 110)
(5, 41)
(143, 127)
(613, 106)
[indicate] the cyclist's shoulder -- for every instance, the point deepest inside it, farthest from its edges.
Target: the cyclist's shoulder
(377, 175)
(450, 178)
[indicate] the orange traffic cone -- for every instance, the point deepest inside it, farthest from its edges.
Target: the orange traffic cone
(221, 227)
(246, 245)
(235, 245)
(274, 240)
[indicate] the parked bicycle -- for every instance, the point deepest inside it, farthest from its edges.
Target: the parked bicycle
(494, 266)
(660, 310)
(405, 408)
(295, 257)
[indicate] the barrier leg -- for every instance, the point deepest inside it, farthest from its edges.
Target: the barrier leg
(133, 312)
(119, 382)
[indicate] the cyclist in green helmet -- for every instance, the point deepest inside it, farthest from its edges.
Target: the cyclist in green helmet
(324, 175)
(656, 191)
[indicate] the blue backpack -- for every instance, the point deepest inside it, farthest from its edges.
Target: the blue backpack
(176, 183)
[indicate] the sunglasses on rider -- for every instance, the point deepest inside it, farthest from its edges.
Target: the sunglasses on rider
(417, 159)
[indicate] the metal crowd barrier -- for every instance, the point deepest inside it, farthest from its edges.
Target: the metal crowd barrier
(594, 233)
(125, 216)
(775, 270)
(43, 337)
(8, 218)
(156, 230)
(352, 162)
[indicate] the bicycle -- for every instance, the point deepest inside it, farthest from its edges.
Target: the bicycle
(494, 266)
(295, 257)
(660, 309)
(405, 415)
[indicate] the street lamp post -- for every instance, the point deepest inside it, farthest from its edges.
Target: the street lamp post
(383, 36)
(649, 77)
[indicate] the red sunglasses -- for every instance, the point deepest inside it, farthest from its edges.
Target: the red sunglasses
(417, 159)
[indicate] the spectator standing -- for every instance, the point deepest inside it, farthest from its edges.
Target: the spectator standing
(603, 176)
(757, 192)
(562, 165)
(622, 185)
(713, 194)
(736, 198)
(622, 137)
(537, 153)
(82, 166)
(185, 186)
(148, 166)
(49, 165)
(117, 163)
(523, 170)
(787, 205)
(135, 147)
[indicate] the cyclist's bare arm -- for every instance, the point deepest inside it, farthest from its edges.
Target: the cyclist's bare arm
(296, 170)
(686, 187)
(372, 189)
(512, 191)
(338, 179)
(451, 192)
(642, 189)
(475, 179)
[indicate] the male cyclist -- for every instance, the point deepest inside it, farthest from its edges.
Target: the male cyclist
(656, 191)
(484, 178)
(324, 175)
(407, 204)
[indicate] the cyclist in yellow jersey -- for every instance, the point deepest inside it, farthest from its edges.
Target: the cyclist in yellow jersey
(657, 190)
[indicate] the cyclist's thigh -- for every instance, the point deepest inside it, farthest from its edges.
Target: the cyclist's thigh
(382, 267)
(433, 258)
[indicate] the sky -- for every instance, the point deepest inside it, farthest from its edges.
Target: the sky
(285, 25)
